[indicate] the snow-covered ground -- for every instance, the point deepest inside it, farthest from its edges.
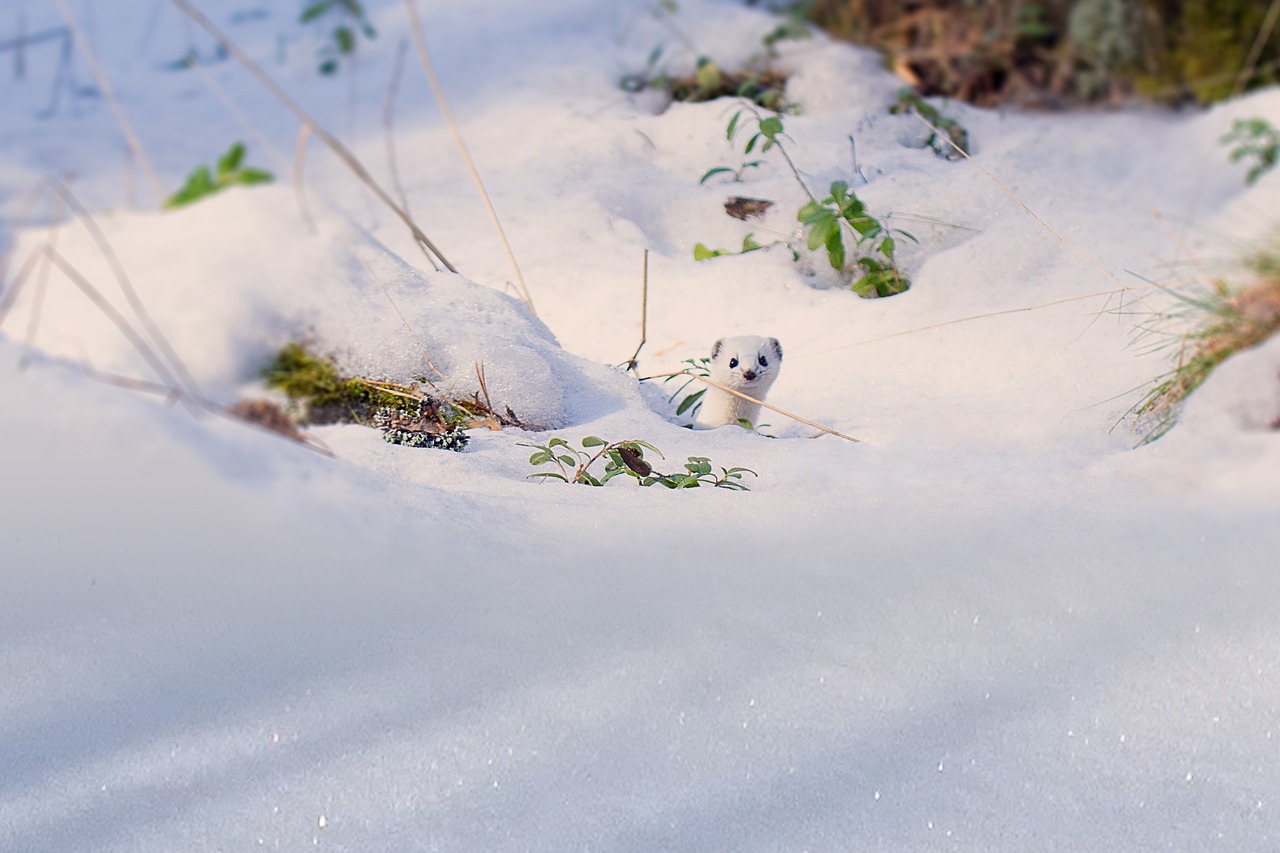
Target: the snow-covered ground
(991, 625)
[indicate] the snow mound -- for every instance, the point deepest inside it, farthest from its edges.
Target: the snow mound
(231, 279)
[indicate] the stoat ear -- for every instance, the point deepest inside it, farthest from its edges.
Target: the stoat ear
(777, 347)
(715, 349)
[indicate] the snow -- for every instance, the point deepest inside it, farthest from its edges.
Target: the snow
(993, 624)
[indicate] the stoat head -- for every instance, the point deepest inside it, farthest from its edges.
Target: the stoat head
(746, 361)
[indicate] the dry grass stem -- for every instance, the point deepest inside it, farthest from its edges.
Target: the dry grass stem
(343, 153)
(121, 322)
(126, 127)
(136, 305)
(1080, 253)
(42, 277)
(644, 313)
(388, 124)
(971, 318)
(437, 91)
(768, 406)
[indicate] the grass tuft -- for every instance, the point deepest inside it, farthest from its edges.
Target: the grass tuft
(1223, 321)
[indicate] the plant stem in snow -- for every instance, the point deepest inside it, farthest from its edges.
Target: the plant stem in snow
(424, 59)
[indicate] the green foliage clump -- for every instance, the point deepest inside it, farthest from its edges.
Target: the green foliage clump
(829, 222)
(626, 459)
(229, 172)
(1256, 138)
(829, 218)
(956, 144)
(691, 402)
(343, 38)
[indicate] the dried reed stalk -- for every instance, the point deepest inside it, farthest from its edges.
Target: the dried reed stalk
(104, 83)
(424, 59)
(709, 381)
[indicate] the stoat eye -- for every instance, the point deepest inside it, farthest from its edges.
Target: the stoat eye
(764, 362)
(733, 362)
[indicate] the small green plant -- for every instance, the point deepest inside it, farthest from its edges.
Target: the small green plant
(229, 172)
(692, 402)
(793, 28)
(343, 39)
(956, 144)
(828, 221)
(626, 458)
(1256, 138)
(737, 173)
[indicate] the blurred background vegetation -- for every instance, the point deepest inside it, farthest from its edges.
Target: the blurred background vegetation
(1057, 53)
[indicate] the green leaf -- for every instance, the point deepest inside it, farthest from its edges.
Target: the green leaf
(707, 76)
(230, 161)
(555, 475)
(593, 441)
(887, 246)
(702, 253)
(835, 249)
(540, 458)
(733, 126)
(557, 442)
(248, 177)
(812, 212)
(820, 232)
(716, 171)
(688, 401)
(568, 460)
(315, 10)
(751, 144)
(698, 465)
(345, 39)
(749, 244)
(328, 66)
(839, 191)
(771, 127)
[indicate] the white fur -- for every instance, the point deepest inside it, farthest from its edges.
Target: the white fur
(736, 363)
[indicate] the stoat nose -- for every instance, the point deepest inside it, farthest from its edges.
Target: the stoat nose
(748, 375)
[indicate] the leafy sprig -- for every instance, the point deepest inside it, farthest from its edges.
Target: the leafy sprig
(626, 459)
(229, 172)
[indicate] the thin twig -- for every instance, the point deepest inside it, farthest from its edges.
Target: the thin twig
(388, 123)
(121, 323)
(769, 406)
(644, 312)
(344, 154)
(19, 281)
(428, 70)
(42, 278)
(970, 318)
(16, 224)
(1045, 225)
(299, 181)
(126, 127)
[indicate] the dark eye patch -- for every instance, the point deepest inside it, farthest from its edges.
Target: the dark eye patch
(733, 362)
(764, 362)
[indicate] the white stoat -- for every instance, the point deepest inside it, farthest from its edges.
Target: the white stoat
(746, 363)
